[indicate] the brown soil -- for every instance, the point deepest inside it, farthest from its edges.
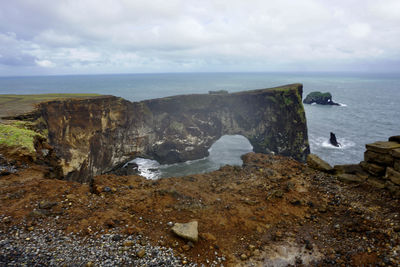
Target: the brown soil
(271, 210)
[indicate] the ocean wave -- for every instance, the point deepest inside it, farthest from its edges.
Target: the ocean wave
(324, 142)
(148, 168)
(342, 105)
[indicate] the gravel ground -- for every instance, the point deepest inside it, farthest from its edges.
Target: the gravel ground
(53, 248)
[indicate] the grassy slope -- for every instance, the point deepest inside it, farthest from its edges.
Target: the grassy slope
(15, 134)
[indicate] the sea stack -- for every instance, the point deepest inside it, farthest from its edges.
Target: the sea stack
(333, 140)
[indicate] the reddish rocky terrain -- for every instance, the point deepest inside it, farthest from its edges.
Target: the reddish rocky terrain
(273, 211)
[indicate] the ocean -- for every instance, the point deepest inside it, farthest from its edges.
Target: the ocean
(369, 111)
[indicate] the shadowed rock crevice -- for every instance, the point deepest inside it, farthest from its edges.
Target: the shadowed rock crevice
(92, 136)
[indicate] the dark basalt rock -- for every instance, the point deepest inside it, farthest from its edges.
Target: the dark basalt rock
(93, 136)
(319, 98)
(333, 140)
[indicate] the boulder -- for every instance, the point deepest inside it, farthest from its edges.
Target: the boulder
(395, 138)
(319, 98)
(377, 183)
(378, 158)
(382, 147)
(373, 168)
(393, 175)
(315, 162)
(396, 153)
(186, 230)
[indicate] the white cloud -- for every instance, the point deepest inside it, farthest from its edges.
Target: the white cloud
(179, 35)
(45, 63)
(359, 30)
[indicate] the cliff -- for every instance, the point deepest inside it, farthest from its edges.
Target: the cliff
(94, 136)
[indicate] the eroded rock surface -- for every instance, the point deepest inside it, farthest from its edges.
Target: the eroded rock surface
(93, 136)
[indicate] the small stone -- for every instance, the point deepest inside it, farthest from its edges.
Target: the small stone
(89, 264)
(116, 238)
(322, 209)
(128, 243)
(184, 262)
(186, 230)
(186, 247)
(243, 257)
(252, 247)
(46, 204)
(141, 253)
(31, 228)
(278, 193)
(107, 189)
(308, 245)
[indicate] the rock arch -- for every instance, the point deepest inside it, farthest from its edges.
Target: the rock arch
(92, 136)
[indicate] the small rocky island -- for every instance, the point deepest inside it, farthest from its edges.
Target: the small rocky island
(320, 98)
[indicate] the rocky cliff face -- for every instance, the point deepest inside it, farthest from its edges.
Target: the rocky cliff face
(93, 136)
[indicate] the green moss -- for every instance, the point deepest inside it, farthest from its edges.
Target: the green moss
(13, 136)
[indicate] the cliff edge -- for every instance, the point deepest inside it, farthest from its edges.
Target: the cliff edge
(93, 136)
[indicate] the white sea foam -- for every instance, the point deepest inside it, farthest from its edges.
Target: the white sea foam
(148, 168)
(342, 105)
(324, 142)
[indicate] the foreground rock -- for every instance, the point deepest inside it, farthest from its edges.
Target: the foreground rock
(186, 230)
(315, 162)
(274, 210)
(319, 98)
(380, 167)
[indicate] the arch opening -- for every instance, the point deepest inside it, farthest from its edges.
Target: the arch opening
(227, 150)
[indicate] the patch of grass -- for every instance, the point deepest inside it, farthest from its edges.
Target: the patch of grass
(14, 136)
(11, 105)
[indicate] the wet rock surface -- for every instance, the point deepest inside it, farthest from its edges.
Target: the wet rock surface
(274, 210)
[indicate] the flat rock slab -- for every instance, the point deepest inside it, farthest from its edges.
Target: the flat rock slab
(378, 158)
(393, 175)
(377, 183)
(315, 162)
(350, 178)
(373, 168)
(396, 153)
(186, 230)
(348, 168)
(382, 147)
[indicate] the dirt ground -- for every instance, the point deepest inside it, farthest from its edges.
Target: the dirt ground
(273, 211)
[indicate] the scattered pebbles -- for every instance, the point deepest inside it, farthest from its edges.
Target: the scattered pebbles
(39, 247)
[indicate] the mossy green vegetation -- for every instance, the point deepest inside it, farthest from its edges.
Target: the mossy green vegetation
(17, 136)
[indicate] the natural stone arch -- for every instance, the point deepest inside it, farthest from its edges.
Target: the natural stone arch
(93, 136)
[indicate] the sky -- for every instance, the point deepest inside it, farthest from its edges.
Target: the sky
(47, 37)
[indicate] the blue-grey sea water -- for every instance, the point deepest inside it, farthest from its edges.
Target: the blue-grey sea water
(370, 109)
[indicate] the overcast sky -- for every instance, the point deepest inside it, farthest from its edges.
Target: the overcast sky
(134, 36)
